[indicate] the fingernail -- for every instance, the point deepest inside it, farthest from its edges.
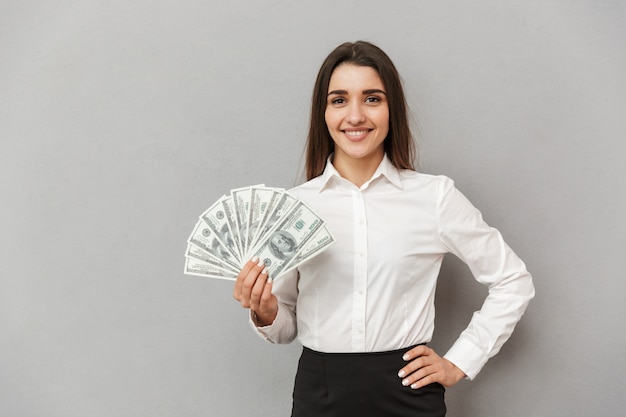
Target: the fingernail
(261, 263)
(413, 386)
(405, 382)
(255, 259)
(264, 271)
(269, 280)
(406, 357)
(401, 374)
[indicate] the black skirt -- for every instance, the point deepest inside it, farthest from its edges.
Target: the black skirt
(360, 384)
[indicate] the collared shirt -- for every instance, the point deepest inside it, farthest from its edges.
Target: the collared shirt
(374, 289)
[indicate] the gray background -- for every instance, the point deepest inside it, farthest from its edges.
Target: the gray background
(120, 122)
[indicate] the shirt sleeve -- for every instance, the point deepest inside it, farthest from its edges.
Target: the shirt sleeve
(284, 328)
(493, 263)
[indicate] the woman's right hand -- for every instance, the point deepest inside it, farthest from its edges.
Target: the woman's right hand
(253, 290)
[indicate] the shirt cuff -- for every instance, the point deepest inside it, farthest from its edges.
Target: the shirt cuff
(269, 333)
(467, 357)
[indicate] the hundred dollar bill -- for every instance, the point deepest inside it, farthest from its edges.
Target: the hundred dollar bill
(229, 211)
(216, 218)
(263, 200)
(203, 269)
(280, 207)
(206, 239)
(288, 237)
(321, 240)
(255, 220)
(202, 255)
(241, 202)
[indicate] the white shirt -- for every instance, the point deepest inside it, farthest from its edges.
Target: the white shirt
(374, 289)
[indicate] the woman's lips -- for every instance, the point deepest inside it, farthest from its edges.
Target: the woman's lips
(356, 135)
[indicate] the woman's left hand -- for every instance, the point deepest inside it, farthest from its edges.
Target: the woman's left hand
(426, 367)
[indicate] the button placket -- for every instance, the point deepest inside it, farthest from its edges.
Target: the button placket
(360, 273)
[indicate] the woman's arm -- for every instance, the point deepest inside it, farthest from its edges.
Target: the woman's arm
(271, 316)
(464, 233)
(253, 290)
(492, 262)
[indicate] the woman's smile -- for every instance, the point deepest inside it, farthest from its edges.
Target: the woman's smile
(357, 115)
(356, 135)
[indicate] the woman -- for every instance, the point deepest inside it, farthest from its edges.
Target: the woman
(365, 306)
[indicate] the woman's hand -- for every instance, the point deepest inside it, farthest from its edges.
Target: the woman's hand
(253, 290)
(426, 367)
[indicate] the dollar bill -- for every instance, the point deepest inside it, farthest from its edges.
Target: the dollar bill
(283, 204)
(241, 202)
(288, 237)
(256, 220)
(317, 244)
(202, 255)
(264, 200)
(206, 239)
(229, 211)
(200, 268)
(216, 218)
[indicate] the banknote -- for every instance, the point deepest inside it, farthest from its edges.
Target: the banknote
(283, 204)
(318, 243)
(216, 218)
(206, 239)
(241, 202)
(252, 221)
(261, 201)
(229, 211)
(290, 234)
(204, 256)
(201, 268)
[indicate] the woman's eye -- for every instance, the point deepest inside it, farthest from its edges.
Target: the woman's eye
(372, 99)
(338, 100)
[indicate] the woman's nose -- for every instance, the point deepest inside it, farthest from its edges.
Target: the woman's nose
(355, 114)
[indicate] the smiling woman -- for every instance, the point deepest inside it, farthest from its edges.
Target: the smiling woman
(365, 307)
(399, 146)
(357, 116)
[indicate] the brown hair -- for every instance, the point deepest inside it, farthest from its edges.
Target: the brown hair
(399, 145)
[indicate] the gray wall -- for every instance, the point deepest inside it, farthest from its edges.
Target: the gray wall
(120, 121)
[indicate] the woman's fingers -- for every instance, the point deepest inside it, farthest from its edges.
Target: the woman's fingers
(253, 290)
(426, 366)
(240, 278)
(417, 358)
(267, 295)
(268, 307)
(257, 290)
(247, 279)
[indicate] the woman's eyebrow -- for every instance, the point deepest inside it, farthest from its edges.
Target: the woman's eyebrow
(374, 91)
(371, 91)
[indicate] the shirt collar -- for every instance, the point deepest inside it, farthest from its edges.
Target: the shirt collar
(385, 169)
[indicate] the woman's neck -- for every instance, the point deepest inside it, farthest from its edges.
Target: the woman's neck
(357, 171)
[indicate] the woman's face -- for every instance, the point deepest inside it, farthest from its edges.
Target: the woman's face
(357, 113)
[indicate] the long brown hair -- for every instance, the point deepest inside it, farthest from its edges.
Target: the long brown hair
(399, 145)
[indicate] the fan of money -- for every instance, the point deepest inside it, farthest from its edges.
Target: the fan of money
(255, 221)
